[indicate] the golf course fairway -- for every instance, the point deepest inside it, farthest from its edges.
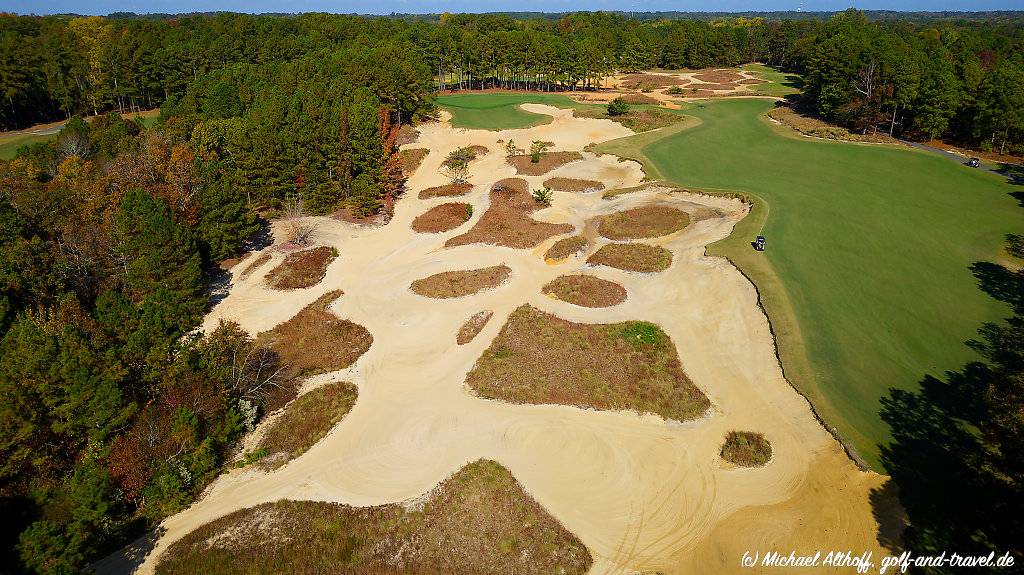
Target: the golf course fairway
(869, 284)
(500, 110)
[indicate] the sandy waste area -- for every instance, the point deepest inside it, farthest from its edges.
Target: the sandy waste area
(643, 494)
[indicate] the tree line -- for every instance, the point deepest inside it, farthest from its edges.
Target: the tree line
(920, 77)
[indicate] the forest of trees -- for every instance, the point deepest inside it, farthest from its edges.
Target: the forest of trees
(113, 412)
(956, 78)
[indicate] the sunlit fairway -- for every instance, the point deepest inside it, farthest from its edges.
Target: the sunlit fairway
(778, 83)
(9, 145)
(499, 110)
(866, 277)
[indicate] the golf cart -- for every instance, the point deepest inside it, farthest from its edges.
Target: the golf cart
(974, 162)
(759, 243)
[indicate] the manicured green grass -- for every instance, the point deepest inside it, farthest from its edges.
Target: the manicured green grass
(499, 110)
(866, 278)
(778, 83)
(9, 144)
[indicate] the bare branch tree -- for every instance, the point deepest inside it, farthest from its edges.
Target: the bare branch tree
(297, 227)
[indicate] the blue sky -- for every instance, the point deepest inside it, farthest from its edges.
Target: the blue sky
(428, 6)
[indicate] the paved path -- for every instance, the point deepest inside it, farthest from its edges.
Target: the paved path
(961, 159)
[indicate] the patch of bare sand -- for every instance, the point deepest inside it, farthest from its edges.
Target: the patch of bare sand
(641, 493)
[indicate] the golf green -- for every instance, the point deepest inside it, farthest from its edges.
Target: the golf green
(867, 274)
(498, 110)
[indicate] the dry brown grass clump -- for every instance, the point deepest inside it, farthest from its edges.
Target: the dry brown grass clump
(716, 87)
(446, 190)
(718, 76)
(634, 81)
(586, 291)
(566, 247)
(573, 185)
(638, 120)
(302, 269)
(316, 340)
(507, 221)
(305, 421)
(751, 81)
(638, 99)
(632, 257)
(253, 265)
(442, 218)
(746, 449)
(548, 161)
(820, 129)
(477, 521)
(642, 222)
(472, 327)
(460, 283)
(541, 359)
(407, 135)
(411, 159)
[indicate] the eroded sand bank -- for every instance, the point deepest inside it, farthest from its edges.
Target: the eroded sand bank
(643, 494)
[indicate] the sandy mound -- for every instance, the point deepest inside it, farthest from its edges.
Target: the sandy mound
(525, 166)
(586, 291)
(317, 341)
(643, 222)
(632, 257)
(302, 269)
(650, 81)
(566, 247)
(472, 327)
(443, 218)
(305, 421)
(460, 283)
(507, 221)
(447, 190)
(539, 358)
(573, 185)
(718, 76)
(476, 521)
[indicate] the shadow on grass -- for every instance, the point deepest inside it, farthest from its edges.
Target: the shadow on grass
(1015, 175)
(953, 454)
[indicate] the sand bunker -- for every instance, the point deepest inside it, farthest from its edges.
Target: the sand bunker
(477, 521)
(507, 221)
(641, 493)
(443, 218)
(586, 291)
(460, 283)
(632, 257)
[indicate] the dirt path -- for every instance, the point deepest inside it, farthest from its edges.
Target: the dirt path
(641, 493)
